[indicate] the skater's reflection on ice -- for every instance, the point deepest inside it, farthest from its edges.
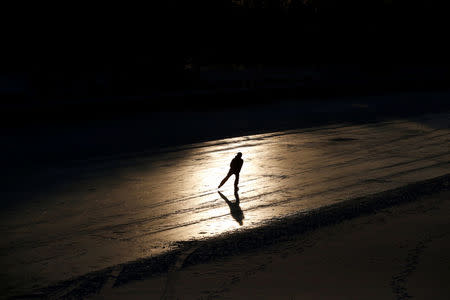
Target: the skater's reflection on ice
(235, 209)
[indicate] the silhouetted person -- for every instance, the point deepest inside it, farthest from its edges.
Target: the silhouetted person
(235, 168)
(235, 209)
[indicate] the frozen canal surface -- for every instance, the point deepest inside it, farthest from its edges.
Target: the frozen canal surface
(115, 211)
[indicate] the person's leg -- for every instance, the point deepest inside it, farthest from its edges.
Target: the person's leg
(225, 179)
(236, 181)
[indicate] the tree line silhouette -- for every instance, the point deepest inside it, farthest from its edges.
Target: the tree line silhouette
(136, 52)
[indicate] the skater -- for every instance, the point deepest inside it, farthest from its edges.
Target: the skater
(235, 168)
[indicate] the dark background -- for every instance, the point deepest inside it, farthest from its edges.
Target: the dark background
(82, 81)
(111, 52)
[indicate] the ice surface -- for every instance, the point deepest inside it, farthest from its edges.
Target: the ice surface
(115, 211)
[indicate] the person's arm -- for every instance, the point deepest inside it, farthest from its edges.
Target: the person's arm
(235, 163)
(241, 162)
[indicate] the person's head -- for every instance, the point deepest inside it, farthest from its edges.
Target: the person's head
(239, 154)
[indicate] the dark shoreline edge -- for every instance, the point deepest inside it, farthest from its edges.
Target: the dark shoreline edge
(202, 251)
